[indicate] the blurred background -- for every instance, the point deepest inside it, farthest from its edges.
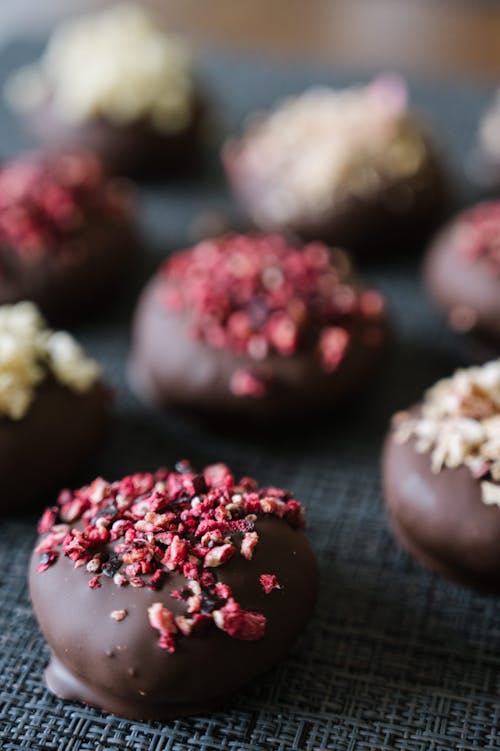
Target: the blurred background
(458, 38)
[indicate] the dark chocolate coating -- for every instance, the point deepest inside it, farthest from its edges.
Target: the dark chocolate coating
(40, 452)
(135, 149)
(440, 518)
(119, 666)
(458, 283)
(69, 287)
(405, 210)
(170, 368)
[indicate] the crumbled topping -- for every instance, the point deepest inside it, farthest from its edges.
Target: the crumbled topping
(116, 64)
(139, 530)
(30, 352)
(319, 147)
(258, 295)
(459, 425)
(240, 624)
(268, 582)
(476, 234)
(46, 201)
(118, 615)
(163, 620)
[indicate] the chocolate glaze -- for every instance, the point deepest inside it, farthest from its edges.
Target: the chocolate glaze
(168, 367)
(135, 149)
(403, 211)
(456, 282)
(119, 666)
(440, 518)
(40, 452)
(78, 284)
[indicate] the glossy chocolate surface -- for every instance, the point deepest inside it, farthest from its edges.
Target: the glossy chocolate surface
(40, 453)
(168, 367)
(466, 291)
(119, 666)
(440, 518)
(371, 225)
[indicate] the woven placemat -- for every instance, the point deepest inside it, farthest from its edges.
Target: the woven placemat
(394, 658)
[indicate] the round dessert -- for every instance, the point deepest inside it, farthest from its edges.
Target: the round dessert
(67, 236)
(252, 326)
(161, 594)
(352, 167)
(441, 471)
(115, 83)
(462, 272)
(54, 407)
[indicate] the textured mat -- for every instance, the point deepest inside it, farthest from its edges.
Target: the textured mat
(394, 658)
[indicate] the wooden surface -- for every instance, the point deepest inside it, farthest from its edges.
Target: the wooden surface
(437, 37)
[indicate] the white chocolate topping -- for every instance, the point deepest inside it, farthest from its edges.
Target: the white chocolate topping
(29, 351)
(115, 64)
(316, 148)
(459, 425)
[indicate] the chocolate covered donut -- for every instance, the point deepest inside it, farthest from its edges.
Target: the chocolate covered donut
(115, 83)
(253, 326)
(54, 408)
(67, 235)
(161, 594)
(462, 272)
(352, 167)
(441, 473)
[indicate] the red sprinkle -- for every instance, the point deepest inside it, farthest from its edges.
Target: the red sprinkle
(46, 201)
(245, 383)
(140, 529)
(256, 295)
(240, 624)
(163, 621)
(269, 582)
(333, 342)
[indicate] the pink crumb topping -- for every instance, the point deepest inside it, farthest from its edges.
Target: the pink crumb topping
(259, 295)
(138, 530)
(45, 201)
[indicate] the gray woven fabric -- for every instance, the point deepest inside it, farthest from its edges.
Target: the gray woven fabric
(394, 658)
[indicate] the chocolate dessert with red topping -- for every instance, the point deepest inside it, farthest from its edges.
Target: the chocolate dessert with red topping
(161, 594)
(353, 167)
(254, 326)
(441, 471)
(462, 272)
(67, 235)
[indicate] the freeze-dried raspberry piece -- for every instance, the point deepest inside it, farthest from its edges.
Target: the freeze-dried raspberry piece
(238, 623)
(163, 620)
(269, 582)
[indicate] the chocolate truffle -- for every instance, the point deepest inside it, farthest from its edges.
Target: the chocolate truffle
(54, 407)
(67, 236)
(115, 83)
(441, 471)
(462, 272)
(352, 167)
(161, 594)
(255, 327)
